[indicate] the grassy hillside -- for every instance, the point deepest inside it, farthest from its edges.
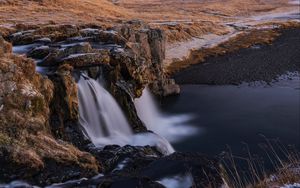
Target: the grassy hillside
(60, 11)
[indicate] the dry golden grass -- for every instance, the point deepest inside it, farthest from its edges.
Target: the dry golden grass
(25, 135)
(211, 13)
(61, 11)
(198, 10)
(284, 160)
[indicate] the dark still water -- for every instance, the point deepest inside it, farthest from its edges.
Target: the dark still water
(230, 115)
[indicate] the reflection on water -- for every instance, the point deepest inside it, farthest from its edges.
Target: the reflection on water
(235, 114)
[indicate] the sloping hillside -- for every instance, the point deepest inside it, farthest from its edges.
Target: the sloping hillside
(60, 11)
(199, 9)
(83, 11)
(181, 19)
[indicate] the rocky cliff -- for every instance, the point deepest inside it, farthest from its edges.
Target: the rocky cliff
(39, 118)
(36, 110)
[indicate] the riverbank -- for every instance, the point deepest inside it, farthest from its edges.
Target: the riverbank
(236, 121)
(260, 62)
(244, 100)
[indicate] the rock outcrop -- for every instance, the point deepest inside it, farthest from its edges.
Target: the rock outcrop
(64, 114)
(27, 148)
(130, 57)
(148, 45)
(39, 114)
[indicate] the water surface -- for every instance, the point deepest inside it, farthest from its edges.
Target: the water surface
(230, 115)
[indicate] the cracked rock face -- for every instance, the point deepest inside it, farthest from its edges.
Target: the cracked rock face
(130, 58)
(134, 50)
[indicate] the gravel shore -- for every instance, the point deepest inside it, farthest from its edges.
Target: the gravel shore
(257, 63)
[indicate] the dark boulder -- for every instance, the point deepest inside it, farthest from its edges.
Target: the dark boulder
(87, 60)
(204, 170)
(106, 37)
(57, 55)
(39, 52)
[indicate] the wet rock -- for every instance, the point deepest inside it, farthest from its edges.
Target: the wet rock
(135, 182)
(53, 32)
(87, 59)
(39, 52)
(89, 32)
(165, 88)
(64, 105)
(64, 108)
(23, 37)
(130, 166)
(108, 37)
(157, 41)
(204, 170)
(44, 40)
(124, 97)
(127, 159)
(110, 182)
(57, 55)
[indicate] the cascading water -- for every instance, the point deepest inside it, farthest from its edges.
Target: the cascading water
(104, 122)
(173, 128)
(100, 115)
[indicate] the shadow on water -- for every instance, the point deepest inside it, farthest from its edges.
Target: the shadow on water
(233, 115)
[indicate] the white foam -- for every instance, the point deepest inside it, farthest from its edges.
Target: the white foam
(174, 128)
(178, 181)
(152, 139)
(104, 122)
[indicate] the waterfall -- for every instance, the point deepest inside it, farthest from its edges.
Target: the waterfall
(100, 115)
(172, 127)
(104, 122)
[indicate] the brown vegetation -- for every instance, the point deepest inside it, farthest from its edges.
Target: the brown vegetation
(26, 143)
(284, 160)
(155, 10)
(192, 18)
